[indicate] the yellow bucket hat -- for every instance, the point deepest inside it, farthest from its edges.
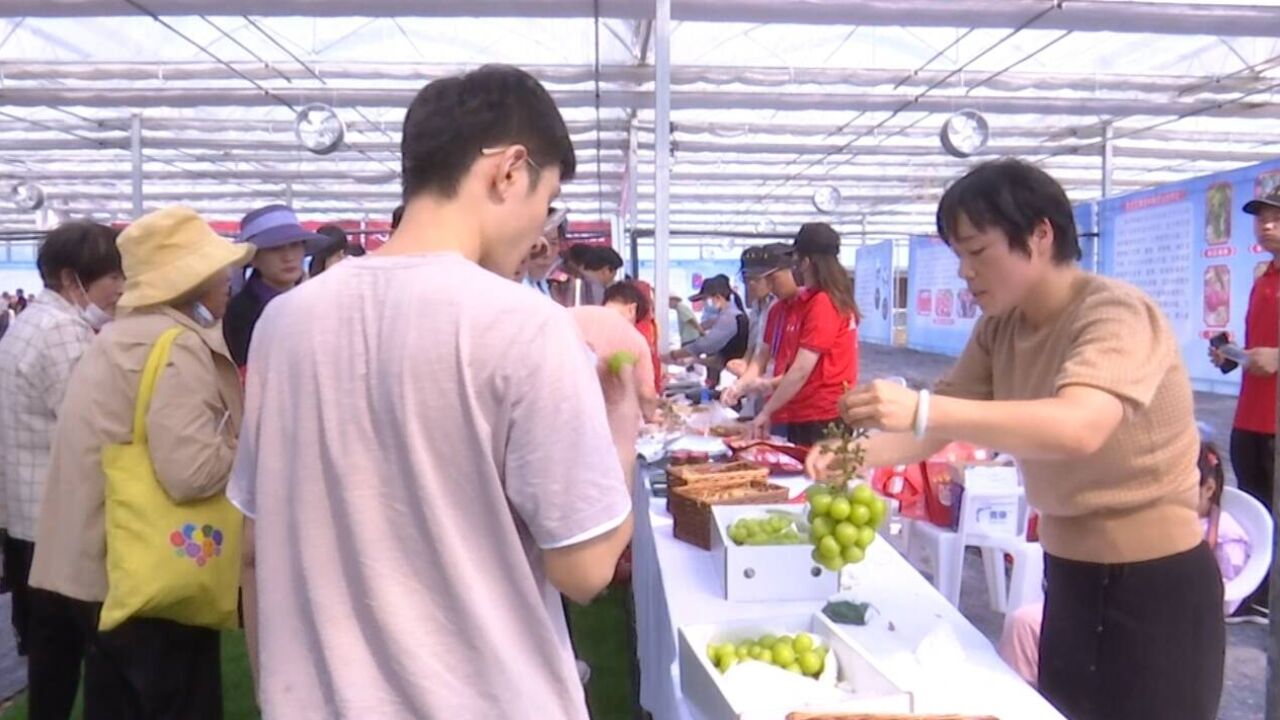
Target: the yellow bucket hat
(168, 253)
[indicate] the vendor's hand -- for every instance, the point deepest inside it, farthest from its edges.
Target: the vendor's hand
(760, 427)
(734, 393)
(818, 463)
(1263, 361)
(737, 367)
(1216, 357)
(882, 405)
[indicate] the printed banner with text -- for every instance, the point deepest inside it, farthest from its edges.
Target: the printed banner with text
(1191, 246)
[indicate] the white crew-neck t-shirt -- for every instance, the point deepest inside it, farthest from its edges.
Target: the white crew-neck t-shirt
(416, 430)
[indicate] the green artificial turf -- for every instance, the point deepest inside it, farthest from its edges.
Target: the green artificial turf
(600, 638)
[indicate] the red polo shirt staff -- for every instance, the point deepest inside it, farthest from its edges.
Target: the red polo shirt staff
(811, 336)
(1253, 436)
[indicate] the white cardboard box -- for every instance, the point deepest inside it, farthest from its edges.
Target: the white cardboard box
(864, 686)
(763, 573)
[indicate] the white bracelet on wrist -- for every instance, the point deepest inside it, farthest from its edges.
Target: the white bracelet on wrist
(922, 414)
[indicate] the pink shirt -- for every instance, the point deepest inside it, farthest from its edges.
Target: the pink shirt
(417, 432)
(606, 332)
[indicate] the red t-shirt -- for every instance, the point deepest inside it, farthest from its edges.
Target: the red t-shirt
(649, 329)
(1256, 411)
(811, 321)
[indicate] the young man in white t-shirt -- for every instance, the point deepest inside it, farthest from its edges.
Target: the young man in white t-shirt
(419, 508)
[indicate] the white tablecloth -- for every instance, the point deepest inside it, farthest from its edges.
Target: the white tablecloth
(922, 642)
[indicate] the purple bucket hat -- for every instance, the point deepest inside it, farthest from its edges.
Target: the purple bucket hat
(275, 226)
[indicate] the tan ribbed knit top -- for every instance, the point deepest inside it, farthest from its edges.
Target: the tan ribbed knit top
(1135, 499)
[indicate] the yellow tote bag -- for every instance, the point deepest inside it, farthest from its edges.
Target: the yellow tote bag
(165, 560)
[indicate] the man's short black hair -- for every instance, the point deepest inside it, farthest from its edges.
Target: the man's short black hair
(86, 248)
(453, 119)
(594, 257)
(602, 257)
(396, 215)
(628, 293)
(1015, 197)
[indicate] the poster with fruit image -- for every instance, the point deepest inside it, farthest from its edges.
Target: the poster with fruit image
(1218, 214)
(933, 280)
(1191, 247)
(873, 290)
(1217, 296)
(1266, 184)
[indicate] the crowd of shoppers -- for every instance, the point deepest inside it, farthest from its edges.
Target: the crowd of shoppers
(475, 468)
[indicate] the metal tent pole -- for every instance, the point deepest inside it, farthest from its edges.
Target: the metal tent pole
(662, 160)
(1108, 160)
(135, 150)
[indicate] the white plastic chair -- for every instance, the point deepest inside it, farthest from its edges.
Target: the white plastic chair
(942, 550)
(1256, 521)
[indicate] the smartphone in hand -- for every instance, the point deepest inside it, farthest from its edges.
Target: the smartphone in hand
(1231, 353)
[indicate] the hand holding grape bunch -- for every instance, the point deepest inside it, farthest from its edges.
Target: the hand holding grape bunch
(843, 524)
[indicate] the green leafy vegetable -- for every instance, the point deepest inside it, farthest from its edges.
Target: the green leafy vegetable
(848, 613)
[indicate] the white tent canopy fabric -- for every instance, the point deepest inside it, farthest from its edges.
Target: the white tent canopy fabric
(771, 100)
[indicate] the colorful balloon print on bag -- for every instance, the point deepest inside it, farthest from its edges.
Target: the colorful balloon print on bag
(201, 544)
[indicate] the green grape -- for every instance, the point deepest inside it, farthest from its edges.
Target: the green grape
(803, 642)
(820, 504)
(726, 662)
(810, 663)
(821, 528)
(835, 564)
(860, 515)
(866, 536)
(879, 509)
(815, 490)
(852, 554)
(783, 655)
(840, 509)
(862, 494)
(766, 656)
(795, 668)
(767, 640)
(828, 548)
(845, 533)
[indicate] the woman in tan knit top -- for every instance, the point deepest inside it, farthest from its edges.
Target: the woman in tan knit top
(1080, 378)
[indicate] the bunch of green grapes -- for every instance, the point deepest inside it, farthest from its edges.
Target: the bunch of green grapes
(842, 525)
(801, 654)
(771, 530)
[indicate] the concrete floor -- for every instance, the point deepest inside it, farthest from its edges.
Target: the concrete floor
(1246, 665)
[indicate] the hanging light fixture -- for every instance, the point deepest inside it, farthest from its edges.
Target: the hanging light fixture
(965, 133)
(826, 199)
(27, 196)
(319, 129)
(48, 218)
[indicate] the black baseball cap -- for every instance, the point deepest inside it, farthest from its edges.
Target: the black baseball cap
(817, 238)
(1271, 199)
(765, 259)
(714, 286)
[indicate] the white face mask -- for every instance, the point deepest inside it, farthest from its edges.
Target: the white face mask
(91, 313)
(203, 316)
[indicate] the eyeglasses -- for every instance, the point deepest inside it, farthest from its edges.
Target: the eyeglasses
(495, 150)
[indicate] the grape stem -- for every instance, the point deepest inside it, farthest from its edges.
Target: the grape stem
(850, 454)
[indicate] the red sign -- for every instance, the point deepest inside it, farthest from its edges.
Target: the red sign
(1164, 198)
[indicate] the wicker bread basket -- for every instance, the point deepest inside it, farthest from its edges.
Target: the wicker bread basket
(691, 506)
